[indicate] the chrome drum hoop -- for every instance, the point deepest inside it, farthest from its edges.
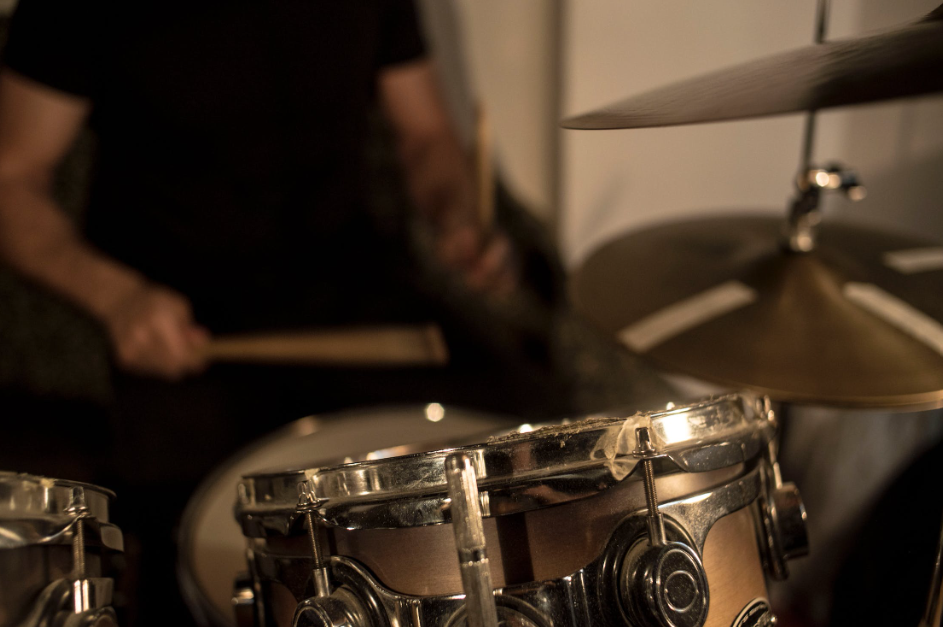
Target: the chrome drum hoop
(518, 472)
(34, 511)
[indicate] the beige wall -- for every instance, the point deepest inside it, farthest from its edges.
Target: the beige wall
(897, 146)
(509, 51)
(615, 181)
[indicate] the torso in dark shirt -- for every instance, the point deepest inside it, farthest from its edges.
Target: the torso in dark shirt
(231, 139)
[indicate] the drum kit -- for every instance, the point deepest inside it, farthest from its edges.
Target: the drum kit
(434, 516)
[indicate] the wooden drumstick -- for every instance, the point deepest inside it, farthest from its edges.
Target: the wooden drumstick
(484, 169)
(403, 345)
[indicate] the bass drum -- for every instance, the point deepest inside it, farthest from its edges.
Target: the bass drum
(210, 543)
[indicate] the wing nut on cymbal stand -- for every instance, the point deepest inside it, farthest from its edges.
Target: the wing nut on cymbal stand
(804, 214)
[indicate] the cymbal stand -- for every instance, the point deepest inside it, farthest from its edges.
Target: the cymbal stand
(804, 217)
(821, 24)
(804, 214)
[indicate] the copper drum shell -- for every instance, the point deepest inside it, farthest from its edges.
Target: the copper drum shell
(543, 544)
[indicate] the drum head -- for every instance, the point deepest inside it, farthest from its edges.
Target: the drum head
(211, 544)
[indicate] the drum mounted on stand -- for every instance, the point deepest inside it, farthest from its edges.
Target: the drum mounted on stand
(663, 519)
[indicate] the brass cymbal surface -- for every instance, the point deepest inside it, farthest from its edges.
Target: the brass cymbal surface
(906, 61)
(721, 299)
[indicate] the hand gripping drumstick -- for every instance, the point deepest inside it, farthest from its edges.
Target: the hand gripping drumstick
(378, 346)
(404, 345)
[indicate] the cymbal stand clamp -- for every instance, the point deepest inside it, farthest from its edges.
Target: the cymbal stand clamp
(804, 214)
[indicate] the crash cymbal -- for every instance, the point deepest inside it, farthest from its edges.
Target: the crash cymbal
(856, 322)
(903, 62)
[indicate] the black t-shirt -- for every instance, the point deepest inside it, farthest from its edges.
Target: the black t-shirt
(231, 137)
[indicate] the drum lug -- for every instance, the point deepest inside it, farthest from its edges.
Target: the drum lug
(783, 519)
(662, 584)
(55, 605)
(101, 617)
(320, 574)
(328, 607)
(665, 586)
(340, 609)
(90, 595)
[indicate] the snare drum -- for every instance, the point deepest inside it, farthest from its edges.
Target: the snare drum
(660, 519)
(55, 540)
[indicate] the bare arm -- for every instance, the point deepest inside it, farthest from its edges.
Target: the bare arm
(151, 327)
(439, 177)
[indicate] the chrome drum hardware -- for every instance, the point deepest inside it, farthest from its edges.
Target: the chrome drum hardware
(467, 536)
(783, 519)
(55, 537)
(662, 582)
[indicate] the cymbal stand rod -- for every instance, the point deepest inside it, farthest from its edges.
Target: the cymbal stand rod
(804, 214)
(932, 612)
(808, 137)
(821, 20)
(807, 199)
(821, 26)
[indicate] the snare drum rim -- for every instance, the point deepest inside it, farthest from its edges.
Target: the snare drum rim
(18, 489)
(716, 433)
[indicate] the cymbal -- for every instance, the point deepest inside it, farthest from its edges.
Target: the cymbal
(855, 323)
(906, 61)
